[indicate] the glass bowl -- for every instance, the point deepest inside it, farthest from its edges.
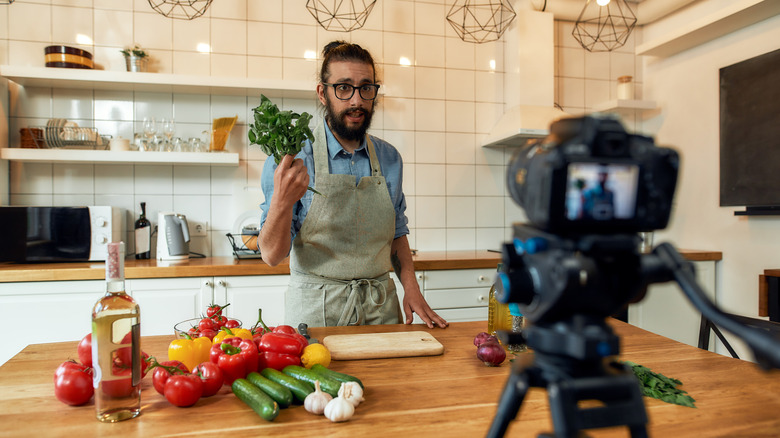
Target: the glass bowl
(183, 327)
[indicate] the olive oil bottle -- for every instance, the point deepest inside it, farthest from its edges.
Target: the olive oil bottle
(116, 345)
(499, 317)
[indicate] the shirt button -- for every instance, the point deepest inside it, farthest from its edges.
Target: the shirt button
(353, 163)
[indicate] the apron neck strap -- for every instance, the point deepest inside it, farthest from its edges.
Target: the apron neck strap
(320, 147)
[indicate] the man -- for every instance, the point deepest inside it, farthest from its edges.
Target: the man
(599, 201)
(342, 243)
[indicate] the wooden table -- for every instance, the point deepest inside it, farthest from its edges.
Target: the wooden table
(453, 395)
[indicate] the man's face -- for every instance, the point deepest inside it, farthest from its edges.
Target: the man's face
(348, 119)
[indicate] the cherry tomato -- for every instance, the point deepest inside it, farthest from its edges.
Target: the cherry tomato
(183, 390)
(206, 324)
(85, 350)
(73, 383)
(193, 332)
(219, 321)
(211, 376)
(285, 329)
(208, 333)
(160, 375)
(120, 387)
(232, 323)
(214, 309)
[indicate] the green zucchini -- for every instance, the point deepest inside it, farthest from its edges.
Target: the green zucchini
(280, 393)
(258, 400)
(331, 386)
(299, 389)
(335, 375)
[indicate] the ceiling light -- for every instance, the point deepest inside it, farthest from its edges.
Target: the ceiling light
(480, 21)
(180, 9)
(604, 28)
(340, 15)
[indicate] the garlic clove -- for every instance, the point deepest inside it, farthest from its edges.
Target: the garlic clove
(317, 400)
(338, 410)
(352, 392)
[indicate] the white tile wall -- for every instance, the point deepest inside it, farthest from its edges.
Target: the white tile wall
(436, 111)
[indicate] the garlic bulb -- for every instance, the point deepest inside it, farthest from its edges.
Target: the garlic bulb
(339, 409)
(351, 392)
(316, 401)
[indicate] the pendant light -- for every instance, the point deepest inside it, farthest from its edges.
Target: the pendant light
(604, 25)
(340, 15)
(6, 2)
(480, 21)
(181, 9)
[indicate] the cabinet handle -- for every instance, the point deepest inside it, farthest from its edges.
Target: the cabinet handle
(222, 283)
(482, 278)
(207, 283)
(481, 298)
(419, 276)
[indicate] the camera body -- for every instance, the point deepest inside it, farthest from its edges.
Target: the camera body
(590, 176)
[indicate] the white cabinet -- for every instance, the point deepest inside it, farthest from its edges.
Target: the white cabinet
(247, 294)
(46, 311)
(164, 302)
(666, 311)
(458, 295)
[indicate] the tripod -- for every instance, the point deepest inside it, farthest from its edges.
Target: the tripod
(571, 362)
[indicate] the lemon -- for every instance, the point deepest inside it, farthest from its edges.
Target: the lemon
(315, 353)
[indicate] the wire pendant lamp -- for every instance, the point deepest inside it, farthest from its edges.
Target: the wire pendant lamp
(6, 2)
(181, 9)
(604, 25)
(340, 15)
(480, 21)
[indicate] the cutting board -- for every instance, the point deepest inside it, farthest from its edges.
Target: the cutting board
(382, 345)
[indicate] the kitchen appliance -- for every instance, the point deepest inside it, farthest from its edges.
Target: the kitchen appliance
(59, 234)
(173, 238)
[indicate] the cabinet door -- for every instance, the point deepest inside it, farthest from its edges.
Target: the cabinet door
(247, 294)
(47, 311)
(666, 311)
(164, 302)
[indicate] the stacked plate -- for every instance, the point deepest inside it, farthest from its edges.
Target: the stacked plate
(51, 134)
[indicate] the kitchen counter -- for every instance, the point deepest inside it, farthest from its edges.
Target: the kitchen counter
(453, 394)
(229, 266)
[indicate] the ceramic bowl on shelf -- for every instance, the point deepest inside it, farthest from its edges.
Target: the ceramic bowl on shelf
(182, 328)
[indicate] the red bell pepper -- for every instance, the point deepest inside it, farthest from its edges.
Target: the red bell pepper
(236, 358)
(277, 350)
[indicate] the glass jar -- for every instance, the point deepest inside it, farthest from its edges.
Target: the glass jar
(625, 88)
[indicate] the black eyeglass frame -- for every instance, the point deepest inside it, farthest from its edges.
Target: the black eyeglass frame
(359, 88)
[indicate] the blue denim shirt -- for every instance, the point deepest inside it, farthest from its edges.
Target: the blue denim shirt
(343, 163)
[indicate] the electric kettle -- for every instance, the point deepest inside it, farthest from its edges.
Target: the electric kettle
(173, 237)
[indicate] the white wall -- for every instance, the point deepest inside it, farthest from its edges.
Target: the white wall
(686, 88)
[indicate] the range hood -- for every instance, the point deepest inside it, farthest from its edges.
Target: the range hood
(529, 81)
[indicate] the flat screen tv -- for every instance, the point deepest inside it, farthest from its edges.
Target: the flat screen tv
(750, 134)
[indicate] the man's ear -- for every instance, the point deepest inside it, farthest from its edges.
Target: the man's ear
(321, 93)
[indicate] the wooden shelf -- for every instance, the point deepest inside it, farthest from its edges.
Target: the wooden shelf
(154, 82)
(118, 157)
(735, 16)
(625, 107)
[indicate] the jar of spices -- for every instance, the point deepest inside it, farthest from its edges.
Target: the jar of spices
(625, 88)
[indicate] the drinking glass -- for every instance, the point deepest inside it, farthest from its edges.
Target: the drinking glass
(168, 128)
(150, 128)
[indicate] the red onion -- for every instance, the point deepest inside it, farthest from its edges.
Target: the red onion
(484, 337)
(491, 353)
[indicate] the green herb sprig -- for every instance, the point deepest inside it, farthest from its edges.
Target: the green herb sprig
(658, 386)
(279, 133)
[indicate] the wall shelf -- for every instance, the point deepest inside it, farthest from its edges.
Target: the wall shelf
(737, 15)
(625, 107)
(154, 82)
(118, 157)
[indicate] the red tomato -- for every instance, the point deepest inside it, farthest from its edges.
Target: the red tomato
(219, 321)
(85, 350)
(73, 383)
(206, 324)
(214, 309)
(183, 390)
(193, 332)
(232, 323)
(285, 329)
(119, 387)
(211, 376)
(208, 333)
(160, 375)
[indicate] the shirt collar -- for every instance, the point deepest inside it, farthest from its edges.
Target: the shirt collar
(334, 147)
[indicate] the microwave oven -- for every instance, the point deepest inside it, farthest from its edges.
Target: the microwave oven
(59, 234)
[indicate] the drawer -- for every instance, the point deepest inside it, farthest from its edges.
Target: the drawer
(464, 314)
(452, 298)
(460, 278)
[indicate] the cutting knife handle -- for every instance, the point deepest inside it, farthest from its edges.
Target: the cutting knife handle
(303, 329)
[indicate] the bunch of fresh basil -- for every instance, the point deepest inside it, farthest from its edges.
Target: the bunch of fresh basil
(279, 133)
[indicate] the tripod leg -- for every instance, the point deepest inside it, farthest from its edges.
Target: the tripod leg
(509, 403)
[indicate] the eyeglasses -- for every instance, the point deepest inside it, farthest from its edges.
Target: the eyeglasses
(346, 91)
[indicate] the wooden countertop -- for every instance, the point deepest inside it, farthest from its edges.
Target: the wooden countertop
(449, 395)
(228, 266)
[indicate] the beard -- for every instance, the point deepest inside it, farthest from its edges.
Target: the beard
(336, 122)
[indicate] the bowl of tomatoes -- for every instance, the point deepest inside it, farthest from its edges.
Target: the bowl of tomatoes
(204, 326)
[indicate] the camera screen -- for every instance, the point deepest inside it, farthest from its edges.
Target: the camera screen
(601, 192)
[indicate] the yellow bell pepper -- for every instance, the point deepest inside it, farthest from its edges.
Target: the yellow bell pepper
(190, 352)
(225, 333)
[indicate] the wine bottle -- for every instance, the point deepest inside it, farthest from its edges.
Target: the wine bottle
(116, 345)
(143, 235)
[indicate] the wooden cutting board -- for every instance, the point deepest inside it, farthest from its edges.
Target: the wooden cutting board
(382, 345)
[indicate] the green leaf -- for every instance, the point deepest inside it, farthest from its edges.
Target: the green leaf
(661, 387)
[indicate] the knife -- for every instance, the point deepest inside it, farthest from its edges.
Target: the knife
(303, 329)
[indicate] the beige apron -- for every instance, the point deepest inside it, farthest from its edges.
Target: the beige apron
(340, 259)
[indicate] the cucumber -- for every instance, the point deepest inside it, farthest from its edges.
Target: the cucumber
(331, 386)
(299, 389)
(276, 391)
(335, 375)
(258, 400)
